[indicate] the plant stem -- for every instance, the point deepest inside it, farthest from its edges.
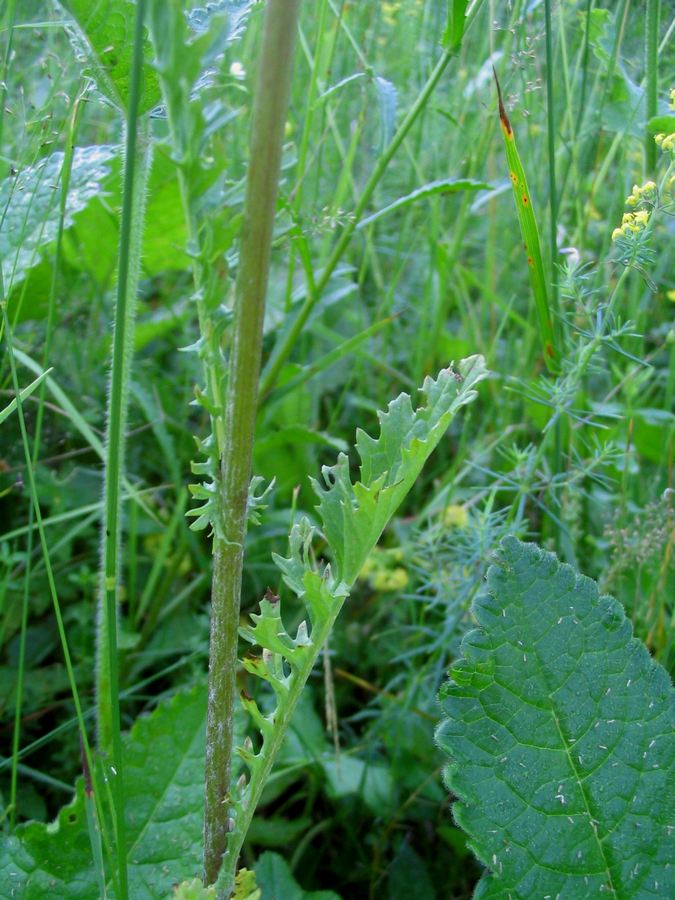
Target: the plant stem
(267, 132)
(652, 77)
(282, 351)
(136, 169)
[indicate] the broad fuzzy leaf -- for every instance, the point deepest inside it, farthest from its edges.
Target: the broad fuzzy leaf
(29, 205)
(354, 515)
(107, 31)
(164, 781)
(560, 732)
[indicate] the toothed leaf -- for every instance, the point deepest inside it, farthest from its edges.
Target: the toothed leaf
(560, 734)
(354, 516)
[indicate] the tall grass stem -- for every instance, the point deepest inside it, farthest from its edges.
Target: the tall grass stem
(137, 161)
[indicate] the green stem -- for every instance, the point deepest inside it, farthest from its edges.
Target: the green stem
(282, 721)
(282, 351)
(11, 16)
(652, 76)
(553, 221)
(267, 132)
(136, 170)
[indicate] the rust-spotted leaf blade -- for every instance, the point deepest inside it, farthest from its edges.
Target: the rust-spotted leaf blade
(530, 235)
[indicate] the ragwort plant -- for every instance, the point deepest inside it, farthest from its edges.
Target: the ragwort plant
(116, 837)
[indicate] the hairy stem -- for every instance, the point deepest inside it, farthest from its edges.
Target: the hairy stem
(267, 131)
(136, 170)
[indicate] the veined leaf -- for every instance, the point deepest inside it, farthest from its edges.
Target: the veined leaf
(560, 734)
(107, 31)
(530, 234)
(164, 774)
(29, 207)
(443, 186)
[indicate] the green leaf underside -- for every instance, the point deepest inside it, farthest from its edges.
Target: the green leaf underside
(559, 730)
(29, 205)
(164, 784)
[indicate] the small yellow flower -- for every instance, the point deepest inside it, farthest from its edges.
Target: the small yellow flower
(671, 296)
(666, 142)
(454, 516)
(394, 580)
(639, 193)
(617, 233)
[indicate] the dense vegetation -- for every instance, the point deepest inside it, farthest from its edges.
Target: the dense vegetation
(397, 249)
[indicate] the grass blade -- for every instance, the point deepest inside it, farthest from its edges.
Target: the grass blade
(530, 235)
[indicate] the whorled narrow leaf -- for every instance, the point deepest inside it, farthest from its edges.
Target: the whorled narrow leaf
(560, 731)
(530, 235)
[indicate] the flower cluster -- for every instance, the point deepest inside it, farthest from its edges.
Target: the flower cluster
(382, 572)
(454, 516)
(642, 194)
(631, 224)
(666, 142)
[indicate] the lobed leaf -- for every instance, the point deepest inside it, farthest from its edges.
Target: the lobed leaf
(354, 515)
(353, 518)
(560, 734)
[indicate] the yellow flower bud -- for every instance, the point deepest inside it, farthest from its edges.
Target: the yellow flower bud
(455, 516)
